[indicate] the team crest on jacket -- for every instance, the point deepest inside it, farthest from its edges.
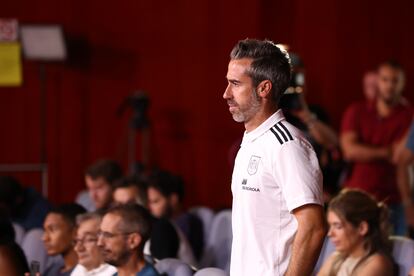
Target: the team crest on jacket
(253, 164)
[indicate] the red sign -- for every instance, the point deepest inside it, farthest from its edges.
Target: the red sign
(8, 29)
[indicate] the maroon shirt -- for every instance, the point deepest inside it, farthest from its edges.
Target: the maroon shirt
(376, 177)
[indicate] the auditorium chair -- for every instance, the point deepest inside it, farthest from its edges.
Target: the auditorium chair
(217, 250)
(173, 267)
(211, 271)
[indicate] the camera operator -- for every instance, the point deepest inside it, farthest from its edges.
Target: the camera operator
(313, 121)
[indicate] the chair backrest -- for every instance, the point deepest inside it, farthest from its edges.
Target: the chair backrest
(173, 267)
(206, 215)
(217, 251)
(185, 252)
(211, 271)
(403, 253)
(327, 249)
(35, 250)
(83, 198)
(19, 233)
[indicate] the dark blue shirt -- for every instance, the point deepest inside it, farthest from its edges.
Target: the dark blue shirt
(32, 212)
(410, 140)
(148, 270)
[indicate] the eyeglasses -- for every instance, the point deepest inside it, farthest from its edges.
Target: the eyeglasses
(108, 235)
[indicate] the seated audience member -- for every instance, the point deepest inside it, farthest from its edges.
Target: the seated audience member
(165, 196)
(123, 232)
(130, 190)
(90, 259)
(358, 227)
(59, 237)
(100, 178)
(164, 241)
(25, 206)
(12, 259)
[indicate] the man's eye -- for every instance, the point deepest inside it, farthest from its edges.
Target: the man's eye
(90, 240)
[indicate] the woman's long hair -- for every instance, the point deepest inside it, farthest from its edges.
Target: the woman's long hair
(354, 207)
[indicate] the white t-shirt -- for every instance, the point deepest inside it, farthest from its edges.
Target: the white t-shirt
(276, 171)
(102, 270)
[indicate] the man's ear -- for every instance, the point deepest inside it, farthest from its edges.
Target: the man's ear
(264, 88)
(174, 199)
(363, 228)
(74, 232)
(134, 240)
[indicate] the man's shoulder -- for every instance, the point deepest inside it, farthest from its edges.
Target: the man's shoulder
(148, 270)
(360, 106)
(282, 133)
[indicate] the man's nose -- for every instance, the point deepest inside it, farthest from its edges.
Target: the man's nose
(227, 93)
(100, 241)
(78, 247)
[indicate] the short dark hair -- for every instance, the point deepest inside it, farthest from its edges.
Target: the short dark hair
(109, 170)
(167, 184)
(7, 232)
(69, 211)
(393, 63)
(97, 215)
(134, 181)
(269, 63)
(10, 191)
(134, 218)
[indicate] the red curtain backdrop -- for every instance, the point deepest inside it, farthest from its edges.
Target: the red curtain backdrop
(177, 51)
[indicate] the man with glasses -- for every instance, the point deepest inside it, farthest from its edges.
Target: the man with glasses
(123, 232)
(90, 259)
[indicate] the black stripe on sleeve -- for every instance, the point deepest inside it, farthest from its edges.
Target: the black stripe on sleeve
(287, 131)
(281, 132)
(277, 136)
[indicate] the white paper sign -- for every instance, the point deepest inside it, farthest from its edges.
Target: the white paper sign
(43, 42)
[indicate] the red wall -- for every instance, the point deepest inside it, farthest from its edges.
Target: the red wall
(177, 51)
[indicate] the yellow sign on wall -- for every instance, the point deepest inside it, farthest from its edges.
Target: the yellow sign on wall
(10, 64)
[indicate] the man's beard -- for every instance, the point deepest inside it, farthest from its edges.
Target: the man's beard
(249, 110)
(121, 259)
(391, 100)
